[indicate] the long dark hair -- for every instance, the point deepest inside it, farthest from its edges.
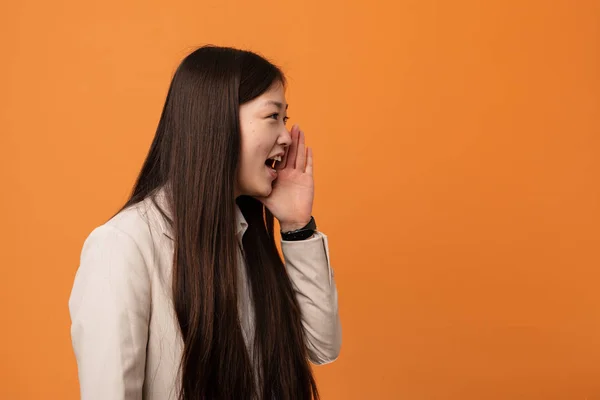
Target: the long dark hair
(194, 155)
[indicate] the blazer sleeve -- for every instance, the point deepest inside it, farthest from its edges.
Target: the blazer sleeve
(110, 310)
(309, 269)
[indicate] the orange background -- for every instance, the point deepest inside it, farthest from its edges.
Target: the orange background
(457, 156)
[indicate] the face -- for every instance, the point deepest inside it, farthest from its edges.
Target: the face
(263, 135)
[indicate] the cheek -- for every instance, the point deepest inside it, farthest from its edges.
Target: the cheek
(257, 141)
(257, 148)
(252, 157)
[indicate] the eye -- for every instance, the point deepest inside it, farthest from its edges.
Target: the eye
(276, 117)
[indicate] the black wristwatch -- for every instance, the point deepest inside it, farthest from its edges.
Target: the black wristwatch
(302, 233)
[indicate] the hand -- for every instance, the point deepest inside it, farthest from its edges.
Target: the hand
(291, 199)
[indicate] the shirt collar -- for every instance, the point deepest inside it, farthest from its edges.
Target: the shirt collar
(241, 223)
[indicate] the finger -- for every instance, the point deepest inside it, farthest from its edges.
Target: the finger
(301, 157)
(293, 149)
(309, 162)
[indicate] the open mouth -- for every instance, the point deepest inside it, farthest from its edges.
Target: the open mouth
(272, 162)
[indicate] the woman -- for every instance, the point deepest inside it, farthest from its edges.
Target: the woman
(183, 294)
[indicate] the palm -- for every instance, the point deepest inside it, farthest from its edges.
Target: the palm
(291, 199)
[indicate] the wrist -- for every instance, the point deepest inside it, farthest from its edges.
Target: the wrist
(304, 232)
(292, 226)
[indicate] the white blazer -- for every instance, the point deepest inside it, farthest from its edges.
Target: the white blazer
(124, 331)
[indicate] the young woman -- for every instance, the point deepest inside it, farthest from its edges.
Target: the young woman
(183, 294)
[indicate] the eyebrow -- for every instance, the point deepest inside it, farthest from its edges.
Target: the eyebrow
(276, 103)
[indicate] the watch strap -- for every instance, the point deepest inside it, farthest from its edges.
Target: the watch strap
(302, 233)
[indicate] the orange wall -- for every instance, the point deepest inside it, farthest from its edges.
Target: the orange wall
(457, 148)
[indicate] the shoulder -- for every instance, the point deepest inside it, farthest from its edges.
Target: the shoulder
(139, 224)
(115, 271)
(131, 235)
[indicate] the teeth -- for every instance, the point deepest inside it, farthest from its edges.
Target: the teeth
(273, 160)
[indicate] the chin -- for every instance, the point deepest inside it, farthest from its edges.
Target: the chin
(259, 191)
(266, 191)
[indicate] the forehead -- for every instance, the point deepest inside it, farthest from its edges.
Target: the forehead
(274, 96)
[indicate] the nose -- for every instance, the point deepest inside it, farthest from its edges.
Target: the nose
(285, 137)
